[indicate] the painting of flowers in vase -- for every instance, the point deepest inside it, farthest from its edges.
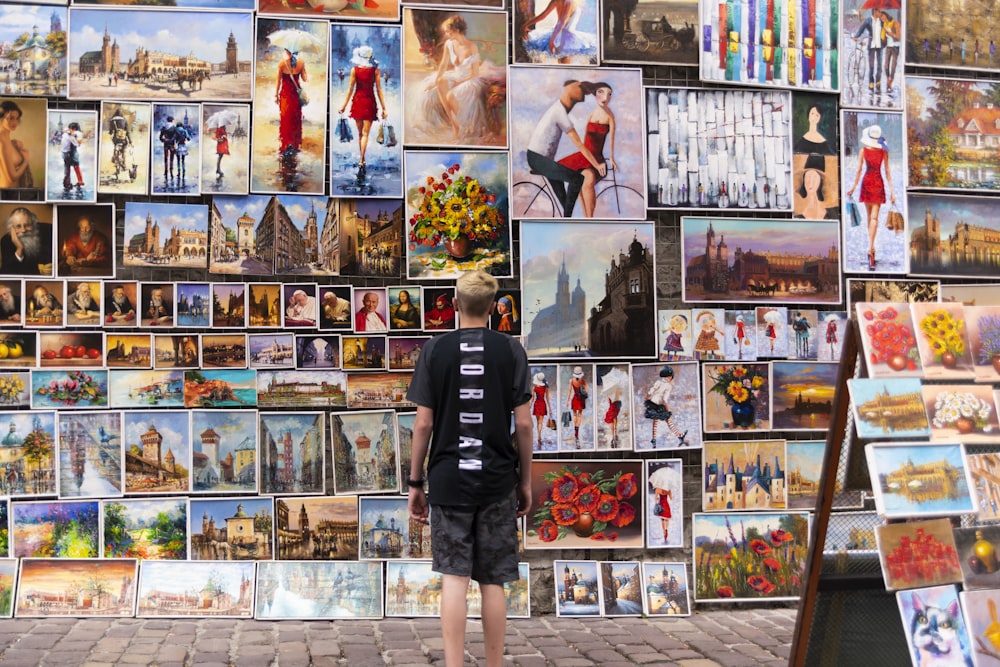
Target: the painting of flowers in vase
(961, 412)
(984, 339)
(585, 504)
(456, 208)
(737, 397)
(744, 557)
(943, 340)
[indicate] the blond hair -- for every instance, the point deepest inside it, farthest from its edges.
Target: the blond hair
(475, 292)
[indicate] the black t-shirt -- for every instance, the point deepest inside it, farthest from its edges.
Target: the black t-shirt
(472, 379)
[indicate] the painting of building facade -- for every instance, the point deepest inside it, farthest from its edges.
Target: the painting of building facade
(28, 453)
(746, 475)
(388, 532)
(37, 55)
(364, 452)
(225, 451)
(235, 224)
(316, 528)
(953, 236)
(292, 450)
(157, 452)
(232, 529)
(172, 234)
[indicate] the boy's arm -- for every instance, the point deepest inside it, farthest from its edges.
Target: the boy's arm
(522, 437)
(422, 425)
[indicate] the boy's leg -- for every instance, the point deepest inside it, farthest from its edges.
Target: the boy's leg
(453, 615)
(494, 622)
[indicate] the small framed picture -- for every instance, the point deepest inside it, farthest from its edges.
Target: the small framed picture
(919, 479)
(403, 351)
(621, 588)
(335, 307)
(264, 305)
(227, 350)
(120, 299)
(317, 351)
(194, 304)
(667, 592)
(363, 353)
(128, 350)
(576, 587)
(85, 240)
(43, 306)
(157, 304)
(71, 349)
(370, 310)
(83, 303)
(176, 351)
(439, 314)
(299, 304)
(229, 305)
(404, 308)
(275, 350)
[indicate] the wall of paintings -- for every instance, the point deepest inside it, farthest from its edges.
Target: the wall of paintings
(219, 263)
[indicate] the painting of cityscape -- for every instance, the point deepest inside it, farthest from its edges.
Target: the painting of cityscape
(146, 529)
(301, 389)
(28, 467)
(157, 451)
(958, 236)
(232, 529)
(364, 452)
(292, 452)
(781, 261)
(576, 588)
(388, 532)
(802, 395)
(225, 451)
(37, 55)
(413, 589)
(667, 592)
(744, 475)
(621, 588)
(318, 590)
(370, 233)
(317, 528)
(215, 590)
(174, 235)
(90, 454)
(242, 240)
(805, 468)
(83, 587)
(919, 479)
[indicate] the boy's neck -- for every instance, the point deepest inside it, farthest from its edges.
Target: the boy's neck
(466, 322)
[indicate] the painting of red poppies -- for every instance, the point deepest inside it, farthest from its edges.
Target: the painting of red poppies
(743, 557)
(585, 504)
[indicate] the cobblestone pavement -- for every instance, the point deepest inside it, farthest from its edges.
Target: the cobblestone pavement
(738, 638)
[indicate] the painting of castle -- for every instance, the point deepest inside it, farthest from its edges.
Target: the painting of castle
(217, 590)
(172, 235)
(157, 452)
(888, 407)
(388, 532)
(919, 479)
(225, 451)
(232, 529)
(745, 475)
(958, 235)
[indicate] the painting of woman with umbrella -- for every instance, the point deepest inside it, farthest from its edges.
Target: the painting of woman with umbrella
(225, 151)
(664, 492)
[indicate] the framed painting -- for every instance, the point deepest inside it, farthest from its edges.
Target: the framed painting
(313, 351)
(226, 144)
(157, 451)
(713, 275)
(136, 54)
(802, 395)
(14, 392)
(873, 195)
(942, 341)
(505, 318)
(297, 468)
(263, 303)
(224, 350)
(28, 120)
(387, 531)
(956, 238)
(378, 390)
(412, 589)
(367, 159)
(176, 351)
(440, 314)
(170, 234)
(30, 226)
(815, 156)
(317, 528)
(301, 389)
(225, 451)
(85, 238)
(364, 452)
(370, 238)
(586, 504)
(891, 291)
(744, 475)
(737, 397)
(177, 146)
(56, 529)
(475, 237)
(888, 339)
(69, 389)
(922, 610)
(741, 334)
(575, 385)
(555, 255)
(145, 389)
(667, 592)
(229, 305)
(977, 556)
(404, 351)
(221, 388)
(803, 472)
(289, 128)
(870, 39)
(977, 294)
(73, 349)
(99, 588)
(577, 587)
(308, 222)
(549, 33)
(924, 34)
(674, 335)
(124, 159)
(664, 501)
(803, 327)
(833, 325)
(242, 238)
(90, 454)
(961, 413)
(711, 341)
(551, 178)
(8, 580)
(888, 407)
(545, 394)
(613, 418)
(318, 590)
(666, 393)
(640, 36)
(232, 529)
(621, 588)
(145, 529)
(299, 301)
(771, 339)
(71, 156)
(773, 545)
(335, 307)
(983, 323)
(984, 474)
(371, 309)
(404, 308)
(788, 45)
(83, 303)
(334, 9)
(120, 299)
(980, 608)
(183, 590)
(919, 479)
(696, 136)
(359, 353)
(455, 78)
(38, 39)
(271, 351)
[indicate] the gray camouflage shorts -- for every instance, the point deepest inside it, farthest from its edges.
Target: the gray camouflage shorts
(480, 542)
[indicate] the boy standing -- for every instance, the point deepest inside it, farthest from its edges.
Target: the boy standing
(466, 385)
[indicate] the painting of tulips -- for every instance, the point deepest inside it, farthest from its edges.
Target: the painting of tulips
(742, 557)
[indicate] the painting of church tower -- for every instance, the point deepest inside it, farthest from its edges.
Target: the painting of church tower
(561, 326)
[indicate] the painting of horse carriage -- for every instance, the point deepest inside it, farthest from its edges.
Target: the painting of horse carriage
(661, 33)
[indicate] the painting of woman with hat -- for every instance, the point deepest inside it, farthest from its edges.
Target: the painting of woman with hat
(874, 156)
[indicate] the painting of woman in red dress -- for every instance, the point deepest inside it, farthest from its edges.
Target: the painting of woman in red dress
(365, 84)
(600, 132)
(291, 75)
(874, 154)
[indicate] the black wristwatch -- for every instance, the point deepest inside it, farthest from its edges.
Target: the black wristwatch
(416, 483)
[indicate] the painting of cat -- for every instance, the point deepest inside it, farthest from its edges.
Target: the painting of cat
(935, 627)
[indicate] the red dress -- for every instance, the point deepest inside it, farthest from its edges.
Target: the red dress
(872, 185)
(221, 141)
(363, 103)
(538, 407)
(664, 502)
(611, 415)
(577, 403)
(594, 141)
(290, 112)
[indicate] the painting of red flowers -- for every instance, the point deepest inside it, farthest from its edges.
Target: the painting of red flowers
(585, 504)
(740, 557)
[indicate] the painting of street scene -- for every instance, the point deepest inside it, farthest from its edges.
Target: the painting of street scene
(90, 454)
(35, 63)
(123, 159)
(81, 588)
(292, 452)
(225, 159)
(157, 451)
(318, 590)
(412, 589)
(236, 224)
(370, 232)
(621, 588)
(232, 529)
(28, 453)
(170, 235)
(387, 531)
(147, 529)
(317, 528)
(216, 590)
(364, 452)
(305, 234)
(225, 451)
(140, 55)
(56, 529)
